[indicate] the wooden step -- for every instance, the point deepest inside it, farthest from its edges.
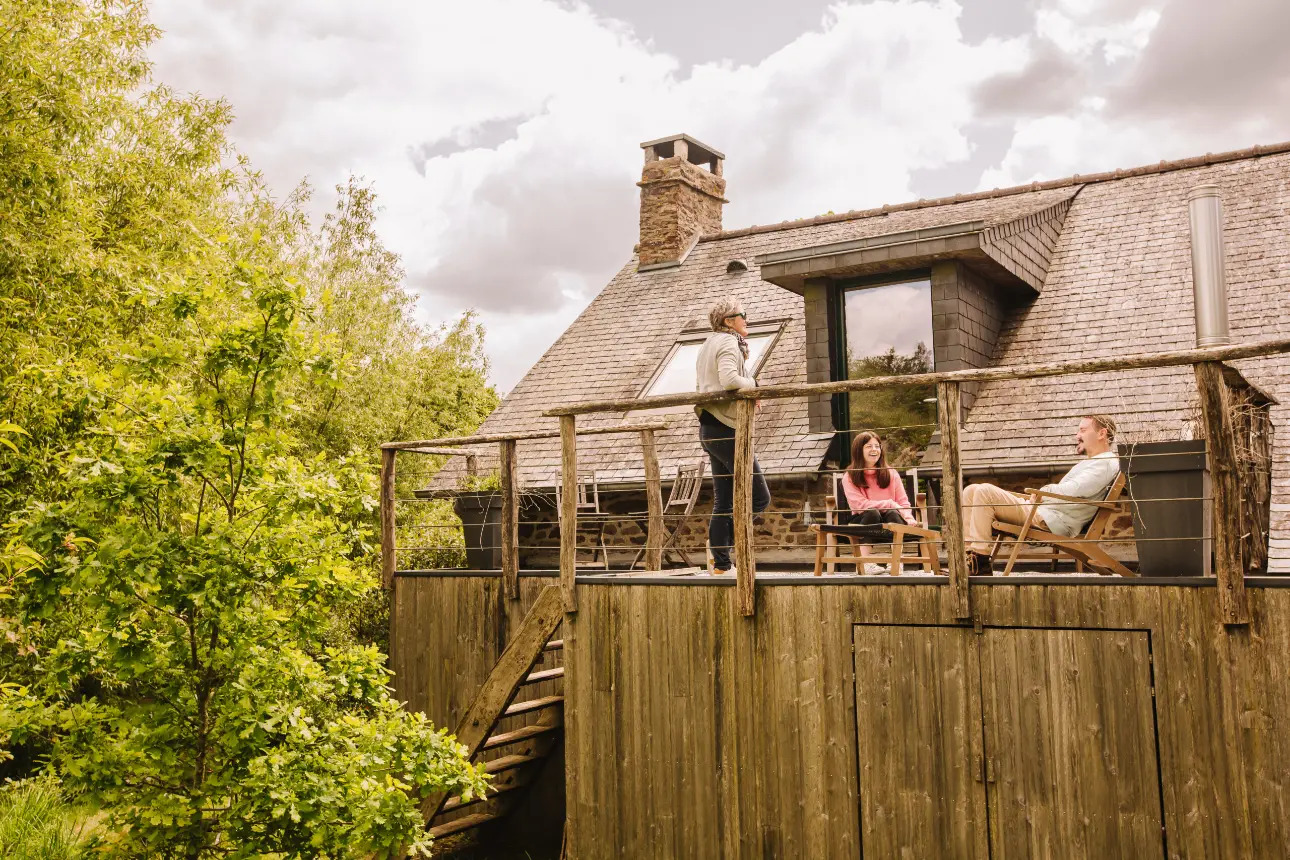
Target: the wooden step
(533, 705)
(461, 824)
(554, 645)
(458, 803)
(521, 734)
(509, 762)
(544, 675)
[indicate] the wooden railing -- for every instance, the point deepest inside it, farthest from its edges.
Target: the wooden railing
(1214, 393)
(508, 478)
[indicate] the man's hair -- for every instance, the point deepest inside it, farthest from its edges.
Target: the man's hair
(722, 311)
(1106, 422)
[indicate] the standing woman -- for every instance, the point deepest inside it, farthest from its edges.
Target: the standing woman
(875, 493)
(722, 366)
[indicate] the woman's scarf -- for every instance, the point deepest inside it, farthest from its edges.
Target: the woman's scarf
(743, 344)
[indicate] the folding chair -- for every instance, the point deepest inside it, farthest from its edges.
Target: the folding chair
(829, 534)
(684, 494)
(588, 503)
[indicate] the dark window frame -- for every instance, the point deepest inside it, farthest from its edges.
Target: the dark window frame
(841, 406)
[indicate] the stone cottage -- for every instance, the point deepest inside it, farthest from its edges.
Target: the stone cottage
(1080, 267)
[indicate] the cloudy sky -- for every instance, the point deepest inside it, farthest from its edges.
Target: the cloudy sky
(502, 136)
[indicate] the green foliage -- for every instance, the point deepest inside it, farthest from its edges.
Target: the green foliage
(188, 525)
(201, 558)
(37, 822)
(902, 416)
(378, 376)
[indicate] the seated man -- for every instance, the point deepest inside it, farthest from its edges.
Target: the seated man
(1089, 479)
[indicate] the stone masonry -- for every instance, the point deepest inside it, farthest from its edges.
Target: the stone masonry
(680, 202)
(782, 535)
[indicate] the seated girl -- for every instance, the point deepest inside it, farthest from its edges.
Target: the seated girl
(875, 493)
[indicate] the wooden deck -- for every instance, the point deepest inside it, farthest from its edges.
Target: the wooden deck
(851, 716)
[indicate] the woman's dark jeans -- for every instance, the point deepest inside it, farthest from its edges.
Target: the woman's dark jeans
(719, 442)
(873, 516)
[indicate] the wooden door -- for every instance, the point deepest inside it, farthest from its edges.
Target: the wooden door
(1070, 740)
(919, 742)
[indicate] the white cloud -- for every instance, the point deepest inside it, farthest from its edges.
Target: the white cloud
(528, 229)
(501, 135)
(1081, 29)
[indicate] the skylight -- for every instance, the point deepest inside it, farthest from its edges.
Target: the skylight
(678, 375)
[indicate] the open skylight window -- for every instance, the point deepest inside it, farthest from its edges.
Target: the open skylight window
(677, 373)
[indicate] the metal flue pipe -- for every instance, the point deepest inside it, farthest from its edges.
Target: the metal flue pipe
(1209, 279)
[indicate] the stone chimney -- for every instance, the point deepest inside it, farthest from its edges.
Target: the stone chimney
(681, 198)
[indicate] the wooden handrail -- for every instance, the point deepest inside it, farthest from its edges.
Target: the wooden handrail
(490, 438)
(1177, 358)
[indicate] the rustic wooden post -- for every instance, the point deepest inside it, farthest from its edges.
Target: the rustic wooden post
(745, 563)
(387, 518)
(654, 501)
(510, 521)
(1220, 449)
(568, 511)
(947, 418)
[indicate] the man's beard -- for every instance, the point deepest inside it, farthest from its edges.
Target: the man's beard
(1079, 448)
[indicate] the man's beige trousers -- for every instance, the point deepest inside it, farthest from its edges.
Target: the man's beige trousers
(985, 503)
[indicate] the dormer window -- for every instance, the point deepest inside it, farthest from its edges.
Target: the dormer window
(887, 331)
(677, 373)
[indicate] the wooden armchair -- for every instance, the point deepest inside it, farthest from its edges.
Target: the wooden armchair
(830, 533)
(1083, 548)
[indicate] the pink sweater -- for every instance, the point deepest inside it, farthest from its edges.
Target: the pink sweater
(874, 496)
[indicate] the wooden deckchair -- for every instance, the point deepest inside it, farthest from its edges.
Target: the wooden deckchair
(1083, 548)
(830, 533)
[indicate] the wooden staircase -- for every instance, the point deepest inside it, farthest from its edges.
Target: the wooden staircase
(515, 713)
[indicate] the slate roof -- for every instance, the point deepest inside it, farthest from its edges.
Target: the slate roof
(1119, 281)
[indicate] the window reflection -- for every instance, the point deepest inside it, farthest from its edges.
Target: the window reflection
(889, 332)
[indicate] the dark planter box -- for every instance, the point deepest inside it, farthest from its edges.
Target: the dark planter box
(1173, 536)
(481, 525)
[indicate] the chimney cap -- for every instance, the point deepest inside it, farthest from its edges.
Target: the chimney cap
(699, 152)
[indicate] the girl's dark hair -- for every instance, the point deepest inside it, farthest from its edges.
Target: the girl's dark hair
(856, 469)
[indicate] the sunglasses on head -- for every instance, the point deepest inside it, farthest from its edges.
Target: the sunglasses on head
(741, 315)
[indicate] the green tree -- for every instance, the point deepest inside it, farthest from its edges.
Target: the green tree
(200, 558)
(380, 376)
(188, 518)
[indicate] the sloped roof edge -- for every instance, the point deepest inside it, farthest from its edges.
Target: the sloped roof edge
(1048, 185)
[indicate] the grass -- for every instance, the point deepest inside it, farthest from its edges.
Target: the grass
(38, 823)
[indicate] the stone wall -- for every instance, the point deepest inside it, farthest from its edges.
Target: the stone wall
(781, 536)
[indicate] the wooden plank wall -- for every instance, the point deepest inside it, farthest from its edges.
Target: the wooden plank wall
(692, 731)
